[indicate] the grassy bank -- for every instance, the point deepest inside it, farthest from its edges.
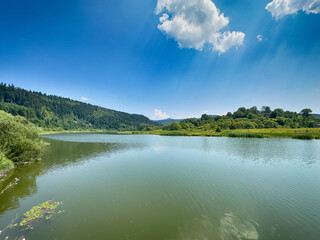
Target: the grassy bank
(296, 133)
(59, 131)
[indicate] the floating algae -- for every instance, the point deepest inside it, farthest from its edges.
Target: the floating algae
(44, 210)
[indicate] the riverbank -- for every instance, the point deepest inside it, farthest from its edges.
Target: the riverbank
(295, 133)
(51, 131)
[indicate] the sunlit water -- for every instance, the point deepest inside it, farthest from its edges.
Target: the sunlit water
(170, 188)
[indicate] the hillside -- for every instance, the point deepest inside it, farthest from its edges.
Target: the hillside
(167, 121)
(53, 112)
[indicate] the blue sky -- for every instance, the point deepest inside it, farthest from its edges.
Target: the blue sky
(177, 58)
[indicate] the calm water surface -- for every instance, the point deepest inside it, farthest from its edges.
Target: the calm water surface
(170, 188)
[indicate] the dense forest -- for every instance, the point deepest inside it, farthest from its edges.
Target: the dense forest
(246, 118)
(55, 112)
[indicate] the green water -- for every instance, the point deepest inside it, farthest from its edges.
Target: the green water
(170, 188)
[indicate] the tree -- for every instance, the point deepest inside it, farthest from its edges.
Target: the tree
(266, 109)
(204, 117)
(277, 113)
(173, 126)
(305, 112)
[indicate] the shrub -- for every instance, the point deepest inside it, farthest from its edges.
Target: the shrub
(19, 140)
(5, 163)
(173, 127)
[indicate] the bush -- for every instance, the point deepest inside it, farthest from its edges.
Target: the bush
(19, 140)
(5, 163)
(173, 127)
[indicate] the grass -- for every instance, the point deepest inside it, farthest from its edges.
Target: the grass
(59, 131)
(296, 133)
(245, 135)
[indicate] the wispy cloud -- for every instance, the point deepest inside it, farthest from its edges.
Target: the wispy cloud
(281, 8)
(159, 114)
(194, 23)
(85, 99)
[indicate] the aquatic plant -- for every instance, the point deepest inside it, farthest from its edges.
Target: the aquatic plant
(10, 184)
(44, 210)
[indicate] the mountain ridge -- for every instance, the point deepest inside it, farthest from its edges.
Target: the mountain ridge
(54, 112)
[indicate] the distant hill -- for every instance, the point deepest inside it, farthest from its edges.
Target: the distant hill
(51, 111)
(316, 115)
(167, 121)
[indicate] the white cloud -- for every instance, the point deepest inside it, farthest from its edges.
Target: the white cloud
(159, 114)
(85, 99)
(281, 8)
(194, 23)
(259, 37)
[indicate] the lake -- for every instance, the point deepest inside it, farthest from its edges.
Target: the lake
(141, 187)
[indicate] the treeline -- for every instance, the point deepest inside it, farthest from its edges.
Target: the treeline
(55, 112)
(246, 118)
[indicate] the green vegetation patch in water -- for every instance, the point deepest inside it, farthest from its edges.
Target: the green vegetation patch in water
(245, 135)
(304, 137)
(44, 210)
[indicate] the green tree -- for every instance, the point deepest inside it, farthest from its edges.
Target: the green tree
(174, 126)
(305, 112)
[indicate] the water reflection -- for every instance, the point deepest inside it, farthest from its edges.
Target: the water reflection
(229, 227)
(267, 150)
(153, 187)
(57, 155)
(233, 227)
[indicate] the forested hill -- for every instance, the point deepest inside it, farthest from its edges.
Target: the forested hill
(252, 118)
(55, 112)
(168, 121)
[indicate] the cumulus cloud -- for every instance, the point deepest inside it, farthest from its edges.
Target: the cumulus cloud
(281, 8)
(85, 99)
(259, 37)
(194, 23)
(159, 114)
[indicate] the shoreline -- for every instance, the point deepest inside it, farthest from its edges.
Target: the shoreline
(293, 133)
